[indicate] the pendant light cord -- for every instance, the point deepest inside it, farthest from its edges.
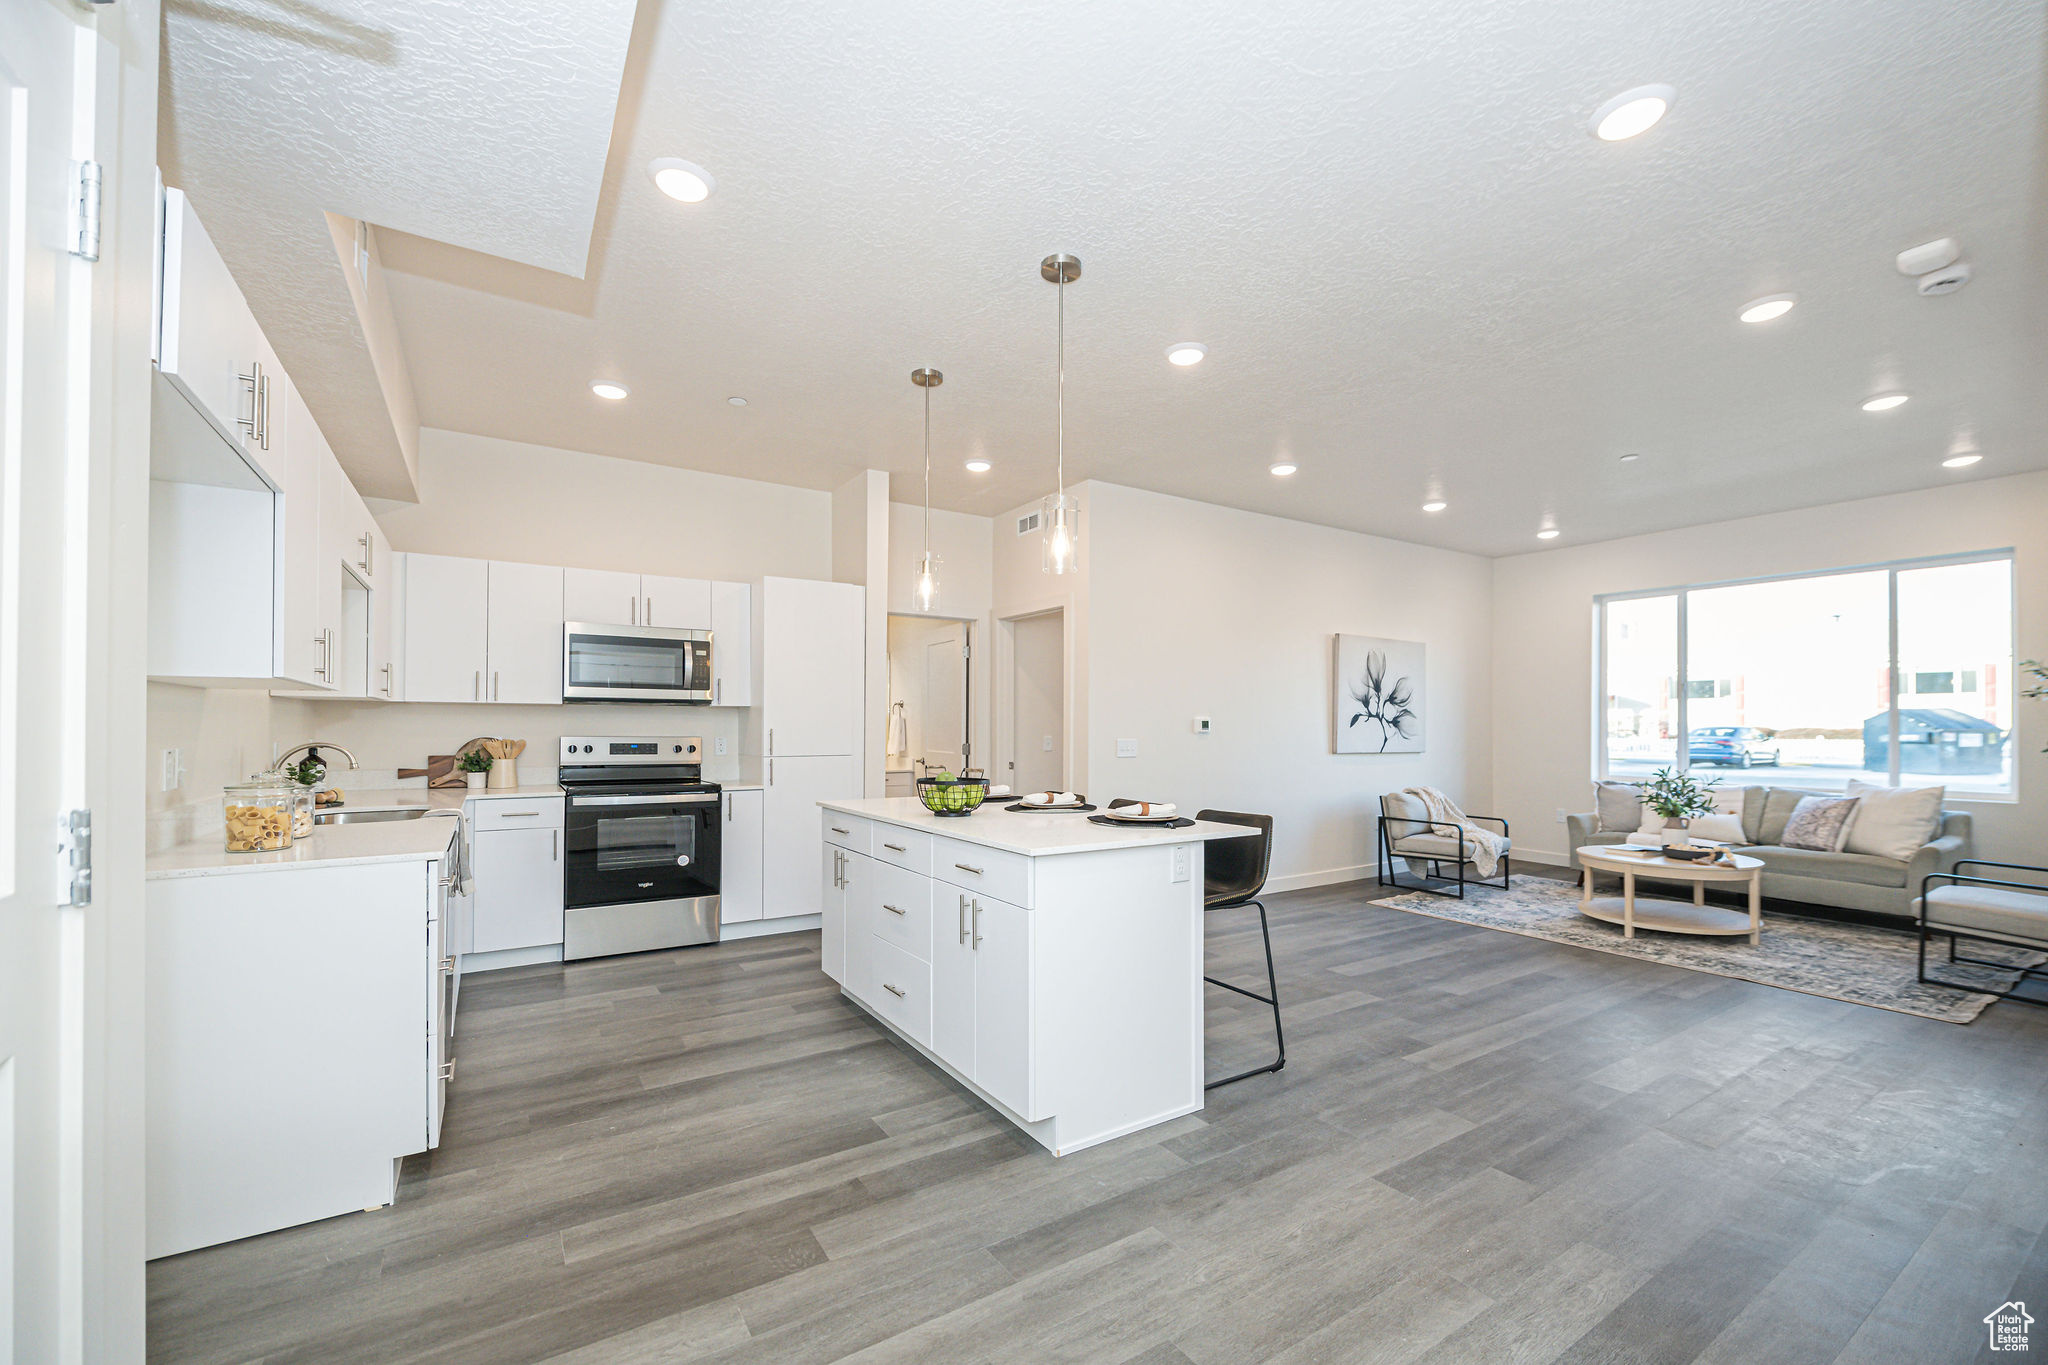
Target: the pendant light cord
(927, 470)
(1062, 292)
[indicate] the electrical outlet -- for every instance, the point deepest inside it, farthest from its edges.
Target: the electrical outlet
(1127, 748)
(174, 769)
(1180, 862)
(1560, 815)
(718, 744)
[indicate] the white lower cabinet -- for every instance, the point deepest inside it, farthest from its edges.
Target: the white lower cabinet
(739, 858)
(518, 874)
(789, 827)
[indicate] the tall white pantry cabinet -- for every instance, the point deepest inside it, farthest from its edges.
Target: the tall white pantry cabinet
(809, 671)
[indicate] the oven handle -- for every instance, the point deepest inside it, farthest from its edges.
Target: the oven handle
(707, 799)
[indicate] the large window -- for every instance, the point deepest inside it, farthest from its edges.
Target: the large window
(1900, 675)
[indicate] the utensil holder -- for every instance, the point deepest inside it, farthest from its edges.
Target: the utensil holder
(504, 773)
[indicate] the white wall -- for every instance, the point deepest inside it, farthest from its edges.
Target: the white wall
(492, 499)
(1544, 687)
(962, 542)
(860, 555)
(1203, 610)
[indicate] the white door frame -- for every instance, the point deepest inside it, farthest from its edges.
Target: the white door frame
(1003, 688)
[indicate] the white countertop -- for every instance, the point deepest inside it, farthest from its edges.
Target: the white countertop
(1035, 834)
(385, 841)
(435, 798)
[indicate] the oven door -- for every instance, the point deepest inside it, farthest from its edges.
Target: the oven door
(635, 663)
(623, 847)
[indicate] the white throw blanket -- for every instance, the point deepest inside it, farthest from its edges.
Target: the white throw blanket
(1483, 846)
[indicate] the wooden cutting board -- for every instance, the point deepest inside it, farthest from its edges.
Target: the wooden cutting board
(441, 771)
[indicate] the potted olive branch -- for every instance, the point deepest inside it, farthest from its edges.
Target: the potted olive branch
(1677, 797)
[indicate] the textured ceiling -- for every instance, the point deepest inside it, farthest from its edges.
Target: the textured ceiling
(1415, 271)
(484, 123)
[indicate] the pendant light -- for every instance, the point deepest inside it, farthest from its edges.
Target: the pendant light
(1058, 520)
(927, 589)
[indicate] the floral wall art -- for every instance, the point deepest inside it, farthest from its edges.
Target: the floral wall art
(1379, 695)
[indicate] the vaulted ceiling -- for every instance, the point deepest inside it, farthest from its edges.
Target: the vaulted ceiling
(1417, 273)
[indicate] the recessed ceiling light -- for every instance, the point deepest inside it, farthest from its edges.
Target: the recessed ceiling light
(977, 466)
(1186, 352)
(737, 401)
(1962, 461)
(1632, 112)
(1768, 307)
(1434, 506)
(1282, 468)
(1631, 457)
(605, 388)
(684, 180)
(1884, 402)
(1547, 533)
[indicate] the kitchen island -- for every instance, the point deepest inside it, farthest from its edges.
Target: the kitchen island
(1051, 965)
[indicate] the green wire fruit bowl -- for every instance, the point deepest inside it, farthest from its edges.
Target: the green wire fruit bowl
(952, 795)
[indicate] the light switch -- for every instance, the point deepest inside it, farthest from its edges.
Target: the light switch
(174, 769)
(1201, 725)
(1048, 743)
(1127, 748)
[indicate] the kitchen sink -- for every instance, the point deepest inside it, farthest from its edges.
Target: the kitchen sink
(372, 817)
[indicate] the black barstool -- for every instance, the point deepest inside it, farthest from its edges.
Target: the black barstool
(1233, 874)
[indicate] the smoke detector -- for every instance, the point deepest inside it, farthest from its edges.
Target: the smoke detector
(1944, 281)
(1938, 254)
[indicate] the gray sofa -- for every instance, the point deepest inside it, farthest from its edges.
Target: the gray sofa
(1848, 881)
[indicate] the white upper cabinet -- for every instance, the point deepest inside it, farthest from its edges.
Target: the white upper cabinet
(387, 625)
(675, 603)
(732, 644)
(447, 602)
(210, 347)
(525, 634)
(809, 651)
(305, 608)
(600, 597)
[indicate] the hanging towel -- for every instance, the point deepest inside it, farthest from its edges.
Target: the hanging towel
(1484, 845)
(899, 729)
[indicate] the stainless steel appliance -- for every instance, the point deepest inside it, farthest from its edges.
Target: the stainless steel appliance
(640, 845)
(635, 663)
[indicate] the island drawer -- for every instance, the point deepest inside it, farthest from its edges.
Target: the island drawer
(901, 908)
(846, 831)
(540, 812)
(899, 989)
(1006, 876)
(907, 848)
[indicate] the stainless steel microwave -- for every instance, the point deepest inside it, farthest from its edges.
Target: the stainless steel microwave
(635, 663)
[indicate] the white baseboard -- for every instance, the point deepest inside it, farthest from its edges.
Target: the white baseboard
(758, 928)
(1329, 876)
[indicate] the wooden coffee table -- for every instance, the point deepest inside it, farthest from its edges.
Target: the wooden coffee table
(1673, 917)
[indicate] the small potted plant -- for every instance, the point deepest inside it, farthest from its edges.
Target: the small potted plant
(1676, 797)
(476, 767)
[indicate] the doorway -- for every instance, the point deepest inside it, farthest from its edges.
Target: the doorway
(929, 709)
(1038, 702)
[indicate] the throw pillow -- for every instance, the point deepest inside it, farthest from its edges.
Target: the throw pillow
(1819, 823)
(1894, 822)
(1779, 803)
(1725, 823)
(1619, 805)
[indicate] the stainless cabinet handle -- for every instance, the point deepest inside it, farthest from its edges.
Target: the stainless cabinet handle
(650, 611)
(728, 809)
(892, 909)
(387, 680)
(320, 669)
(965, 868)
(896, 848)
(963, 919)
(977, 926)
(253, 381)
(635, 612)
(364, 541)
(448, 964)
(447, 1071)
(476, 691)
(519, 815)
(771, 740)
(555, 846)
(494, 684)
(837, 830)
(717, 690)
(263, 398)
(896, 991)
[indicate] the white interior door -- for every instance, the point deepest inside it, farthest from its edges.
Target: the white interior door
(1038, 702)
(943, 731)
(45, 309)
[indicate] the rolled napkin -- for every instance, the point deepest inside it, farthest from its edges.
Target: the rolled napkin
(1155, 809)
(999, 789)
(1050, 799)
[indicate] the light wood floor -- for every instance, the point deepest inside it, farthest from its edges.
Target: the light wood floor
(1484, 1148)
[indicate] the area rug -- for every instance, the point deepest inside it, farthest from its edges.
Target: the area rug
(1865, 966)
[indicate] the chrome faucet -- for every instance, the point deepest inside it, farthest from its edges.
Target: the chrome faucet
(311, 748)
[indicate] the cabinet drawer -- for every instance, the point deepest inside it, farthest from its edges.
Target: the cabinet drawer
(899, 989)
(533, 812)
(902, 909)
(849, 832)
(907, 848)
(1006, 876)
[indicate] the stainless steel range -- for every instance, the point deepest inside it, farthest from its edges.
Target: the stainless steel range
(641, 840)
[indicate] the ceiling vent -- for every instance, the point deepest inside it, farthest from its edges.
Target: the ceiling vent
(1945, 281)
(1027, 524)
